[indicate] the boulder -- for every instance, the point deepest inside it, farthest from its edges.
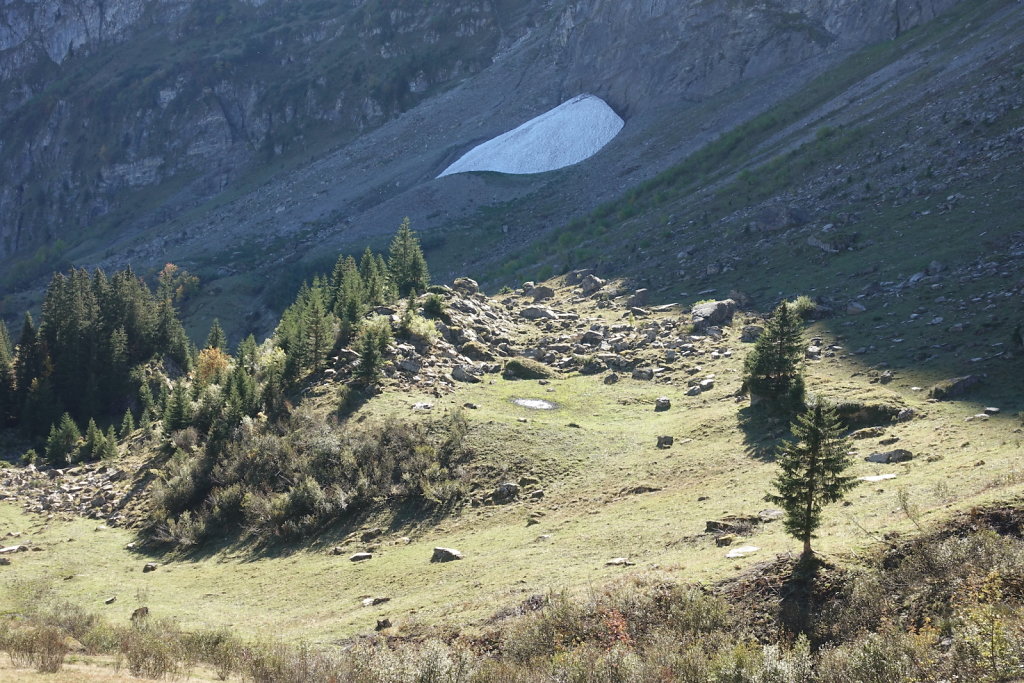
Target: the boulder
(576, 276)
(542, 293)
(590, 284)
(465, 286)
(524, 368)
(445, 555)
(953, 388)
(891, 457)
(712, 313)
(463, 373)
(662, 404)
(751, 333)
(538, 313)
(638, 298)
(643, 374)
(505, 492)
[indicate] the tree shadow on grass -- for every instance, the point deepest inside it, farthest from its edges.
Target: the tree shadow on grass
(764, 430)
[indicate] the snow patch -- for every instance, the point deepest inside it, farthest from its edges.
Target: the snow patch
(566, 135)
(534, 403)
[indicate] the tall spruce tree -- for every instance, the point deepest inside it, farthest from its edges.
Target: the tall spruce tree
(216, 339)
(772, 368)
(178, 414)
(406, 262)
(63, 442)
(8, 400)
(812, 472)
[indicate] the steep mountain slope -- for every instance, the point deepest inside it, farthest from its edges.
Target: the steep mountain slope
(179, 132)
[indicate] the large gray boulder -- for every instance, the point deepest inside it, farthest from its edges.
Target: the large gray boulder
(712, 313)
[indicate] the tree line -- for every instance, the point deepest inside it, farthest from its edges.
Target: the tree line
(108, 349)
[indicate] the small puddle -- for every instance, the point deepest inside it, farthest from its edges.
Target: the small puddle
(534, 403)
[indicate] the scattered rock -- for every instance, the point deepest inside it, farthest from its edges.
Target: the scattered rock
(665, 441)
(711, 313)
(149, 567)
(373, 602)
(891, 457)
(505, 492)
(422, 406)
(953, 388)
(538, 313)
(770, 515)
(361, 557)
(991, 410)
(111, 600)
(525, 368)
(643, 374)
(590, 284)
(868, 433)
(465, 286)
(611, 379)
(662, 404)
(725, 540)
(542, 293)
(445, 555)
(855, 308)
(742, 551)
(463, 373)
(383, 624)
(619, 562)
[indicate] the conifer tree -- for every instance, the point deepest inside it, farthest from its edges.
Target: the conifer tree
(108, 450)
(8, 400)
(127, 423)
(351, 300)
(216, 338)
(373, 344)
(812, 472)
(30, 361)
(772, 368)
(62, 443)
(318, 324)
(94, 439)
(178, 414)
(406, 263)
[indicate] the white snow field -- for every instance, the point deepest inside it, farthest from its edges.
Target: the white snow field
(566, 135)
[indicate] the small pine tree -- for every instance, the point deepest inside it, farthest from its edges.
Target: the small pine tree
(127, 423)
(63, 442)
(178, 414)
(108, 450)
(93, 441)
(406, 263)
(812, 473)
(216, 339)
(772, 368)
(372, 347)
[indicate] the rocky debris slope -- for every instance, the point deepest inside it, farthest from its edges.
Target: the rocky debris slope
(95, 490)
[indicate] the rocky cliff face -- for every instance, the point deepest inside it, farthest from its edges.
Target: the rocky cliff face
(117, 116)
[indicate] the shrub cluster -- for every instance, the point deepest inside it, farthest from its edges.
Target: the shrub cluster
(287, 486)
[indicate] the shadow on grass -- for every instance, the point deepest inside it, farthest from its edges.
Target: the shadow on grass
(764, 430)
(406, 515)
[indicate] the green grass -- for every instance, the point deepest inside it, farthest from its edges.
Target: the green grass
(301, 592)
